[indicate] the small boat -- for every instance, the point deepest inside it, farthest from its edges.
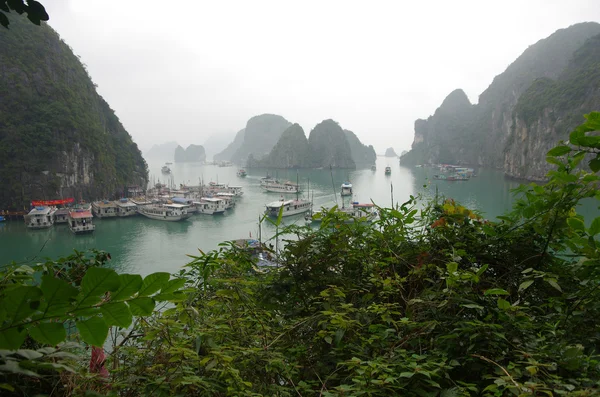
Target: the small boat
(104, 209)
(165, 169)
(242, 173)
(125, 208)
(290, 207)
(40, 217)
(286, 188)
(61, 215)
(388, 170)
(264, 256)
(165, 212)
(267, 180)
(373, 167)
(346, 189)
(80, 221)
(210, 206)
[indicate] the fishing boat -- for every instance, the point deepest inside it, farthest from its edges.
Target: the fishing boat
(282, 188)
(346, 189)
(242, 173)
(388, 170)
(40, 217)
(61, 215)
(80, 221)
(104, 209)
(210, 206)
(125, 208)
(290, 207)
(165, 212)
(165, 169)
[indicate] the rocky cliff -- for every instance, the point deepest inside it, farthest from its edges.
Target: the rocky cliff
(191, 154)
(58, 137)
(390, 152)
(291, 151)
(550, 109)
(234, 146)
(161, 152)
(478, 134)
(260, 135)
(363, 155)
(329, 146)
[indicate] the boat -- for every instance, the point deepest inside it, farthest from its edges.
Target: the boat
(290, 207)
(2, 219)
(373, 167)
(61, 215)
(228, 199)
(242, 173)
(264, 256)
(80, 221)
(225, 164)
(235, 190)
(191, 207)
(285, 188)
(125, 208)
(210, 206)
(165, 169)
(40, 217)
(165, 212)
(346, 189)
(267, 180)
(104, 209)
(388, 170)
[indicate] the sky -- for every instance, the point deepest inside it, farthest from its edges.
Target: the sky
(187, 70)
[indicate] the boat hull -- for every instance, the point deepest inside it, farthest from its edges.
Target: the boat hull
(83, 229)
(168, 218)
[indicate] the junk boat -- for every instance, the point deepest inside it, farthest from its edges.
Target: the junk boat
(165, 212)
(346, 189)
(40, 217)
(61, 215)
(104, 209)
(285, 188)
(210, 206)
(388, 170)
(290, 207)
(165, 169)
(125, 208)
(228, 199)
(189, 203)
(80, 221)
(242, 173)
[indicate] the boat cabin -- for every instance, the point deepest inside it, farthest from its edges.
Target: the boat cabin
(125, 208)
(104, 209)
(61, 215)
(40, 217)
(80, 221)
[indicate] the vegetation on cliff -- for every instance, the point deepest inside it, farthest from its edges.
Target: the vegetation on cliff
(363, 155)
(430, 300)
(329, 146)
(291, 151)
(191, 154)
(58, 137)
(260, 136)
(232, 148)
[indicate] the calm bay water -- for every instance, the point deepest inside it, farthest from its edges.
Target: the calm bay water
(142, 245)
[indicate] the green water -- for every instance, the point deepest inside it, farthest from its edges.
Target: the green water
(142, 245)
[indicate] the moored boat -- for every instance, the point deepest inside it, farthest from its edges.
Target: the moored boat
(210, 206)
(40, 217)
(228, 199)
(191, 207)
(104, 209)
(285, 188)
(61, 215)
(125, 208)
(80, 221)
(356, 212)
(242, 173)
(346, 189)
(290, 207)
(165, 212)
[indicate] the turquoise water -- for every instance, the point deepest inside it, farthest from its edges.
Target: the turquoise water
(142, 245)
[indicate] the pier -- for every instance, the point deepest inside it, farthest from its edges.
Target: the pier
(13, 215)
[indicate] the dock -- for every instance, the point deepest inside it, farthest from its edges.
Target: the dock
(13, 215)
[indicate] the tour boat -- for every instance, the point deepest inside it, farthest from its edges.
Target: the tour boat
(267, 180)
(210, 206)
(40, 217)
(290, 207)
(388, 170)
(125, 208)
(346, 189)
(191, 207)
(286, 188)
(165, 212)
(80, 221)
(228, 199)
(241, 173)
(165, 169)
(61, 215)
(104, 209)
(235, 190)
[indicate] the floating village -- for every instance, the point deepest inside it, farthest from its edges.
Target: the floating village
(168, 203)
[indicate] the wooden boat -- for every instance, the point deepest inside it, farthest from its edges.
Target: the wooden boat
(80, 221)
(165, 212)
(282, 188)
(104, 209)
(40, 217)
(290, 207)
(210, 206)
(125, 208)
(242, 173)
(61, 215)
(388, 170)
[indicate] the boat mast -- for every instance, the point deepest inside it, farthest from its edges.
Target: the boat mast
(332, 184)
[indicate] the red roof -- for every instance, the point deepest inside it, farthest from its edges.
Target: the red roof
(80, 214)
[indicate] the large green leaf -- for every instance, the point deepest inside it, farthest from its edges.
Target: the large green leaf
(153, 282)
(57, 294)
(142, 306)
(48, 333)
(96, 282)
(525, 284)
(130, 284)
(12, 339)
(93, 331)
(117, 314)
(19, 303)
(496, 291)
(576, 224)
(173, 285)
(595, 164)
(595, 227)
(559, 151)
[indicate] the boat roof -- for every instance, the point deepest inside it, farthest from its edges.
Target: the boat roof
(78, 214)
(40, 210)
(346, 184)
(211, 199)
(62, 211)
(104, 203)
(224, 194)
(279, 203)
(175, 205)
(125, 204)
(181, 200)
(140, 202)
(235, 186)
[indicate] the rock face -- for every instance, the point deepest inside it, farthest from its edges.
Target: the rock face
(480, 134)
(58, 137)
(229, 151)
(291, 151)
(389, 152)
(162, 152)
(216, 143)
(329, 146)
(192, 154)
(363, 155)
(260, 135)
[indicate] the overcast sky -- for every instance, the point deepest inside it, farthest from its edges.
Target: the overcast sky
(188, 69)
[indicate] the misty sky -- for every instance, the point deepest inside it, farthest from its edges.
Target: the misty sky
(188, 69)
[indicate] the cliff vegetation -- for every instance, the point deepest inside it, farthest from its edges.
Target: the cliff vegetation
(191, 154)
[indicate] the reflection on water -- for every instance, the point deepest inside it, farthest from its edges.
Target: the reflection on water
(143, 245)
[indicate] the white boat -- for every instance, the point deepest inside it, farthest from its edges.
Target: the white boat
(235, 190)
(285, 188)
(104, 209)
(80, 221)
(40, 217)
(210, 206)
(165, 169)
(191, 207)
(267, 180)
(242, 173)
(125, 208)
(346, 189)
(290, 207)
(61, 215)
(165, 212)
(228, 199)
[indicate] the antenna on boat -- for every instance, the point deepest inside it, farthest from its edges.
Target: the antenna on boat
(332, 184)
